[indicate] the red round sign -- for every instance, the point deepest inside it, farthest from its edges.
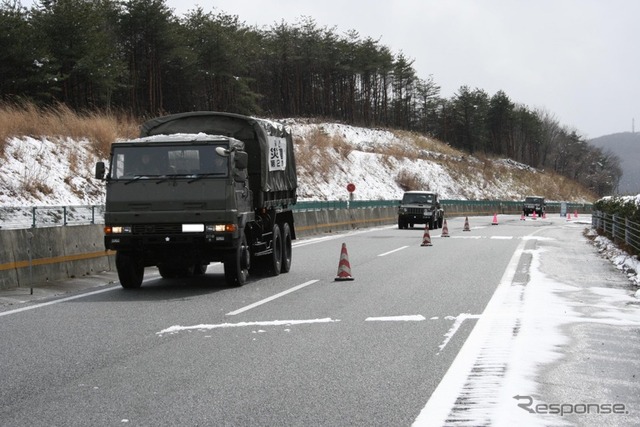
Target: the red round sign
(351, 187)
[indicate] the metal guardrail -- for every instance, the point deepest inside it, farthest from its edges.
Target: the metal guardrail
(455, 205)
(619, 229)
(342, 204)
(48, 216)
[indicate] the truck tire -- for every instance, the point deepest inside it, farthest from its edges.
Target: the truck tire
(275, 260)
(130, 270)
(237, 263)
(285, 266)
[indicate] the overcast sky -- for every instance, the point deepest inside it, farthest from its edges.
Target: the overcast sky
(577, 59)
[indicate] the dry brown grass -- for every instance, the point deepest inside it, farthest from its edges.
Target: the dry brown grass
(312, 153)
(100, 128)
(409, 181)
(421, 142)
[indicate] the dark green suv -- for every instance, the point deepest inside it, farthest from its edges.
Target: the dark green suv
(420, 207)
(533, 204)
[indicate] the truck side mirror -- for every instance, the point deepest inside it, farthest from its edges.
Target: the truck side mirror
(241, 159)
(100, 170)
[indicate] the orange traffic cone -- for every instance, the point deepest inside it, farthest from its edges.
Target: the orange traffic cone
(534, 216)
(495, 219)
(426, 239)
(544, 215)
(522, 216)
(568, 216)
(344, 268)
(466, 224)
(575, 213)
(445, 229)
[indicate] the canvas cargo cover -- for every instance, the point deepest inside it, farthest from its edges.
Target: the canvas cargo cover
(268, 144)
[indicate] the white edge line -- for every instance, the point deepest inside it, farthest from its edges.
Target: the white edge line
(44, 304)
(444, 396)
(395, 250)
(271, 298)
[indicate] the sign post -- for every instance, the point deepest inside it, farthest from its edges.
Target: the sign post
(351, 188)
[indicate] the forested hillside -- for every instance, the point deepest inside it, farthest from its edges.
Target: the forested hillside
(140, 58)
(626, 146)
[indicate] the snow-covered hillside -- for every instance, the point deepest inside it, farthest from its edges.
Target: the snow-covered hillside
(60, 172)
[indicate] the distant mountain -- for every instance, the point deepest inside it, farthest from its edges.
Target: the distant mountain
(626, 146)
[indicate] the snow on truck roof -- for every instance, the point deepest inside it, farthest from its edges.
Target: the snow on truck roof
(179, 137)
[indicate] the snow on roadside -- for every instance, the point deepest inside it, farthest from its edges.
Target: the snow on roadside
(629, 264)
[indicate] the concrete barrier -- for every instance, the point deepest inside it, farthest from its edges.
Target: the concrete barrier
(8, 275)
(40, 255)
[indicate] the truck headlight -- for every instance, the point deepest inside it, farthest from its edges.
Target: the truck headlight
(221, 228)
(117, 229)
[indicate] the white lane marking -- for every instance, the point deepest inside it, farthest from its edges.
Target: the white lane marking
(410, 318)
(314, 240)
(439, 405)
(148, 276)
(505, 237)
(44, 304)
(178, 328)
(395, 250)
(456, 325)
(271, 298)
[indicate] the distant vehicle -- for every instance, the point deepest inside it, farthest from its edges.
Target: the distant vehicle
(533, 204)
(420, 207)
(197, 188)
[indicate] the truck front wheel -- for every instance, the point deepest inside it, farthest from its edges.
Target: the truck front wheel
(237, 263)
(286, 248)
(130, 270)
(275, 263)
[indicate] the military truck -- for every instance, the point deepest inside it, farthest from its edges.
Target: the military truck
(533, 204)
(420, 207)
(197, 188)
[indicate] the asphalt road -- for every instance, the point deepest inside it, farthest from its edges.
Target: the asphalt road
(299, 349)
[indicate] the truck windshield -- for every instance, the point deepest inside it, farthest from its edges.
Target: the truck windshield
(417, 198)
(149, 162)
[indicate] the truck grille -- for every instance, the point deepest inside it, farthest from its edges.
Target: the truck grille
(157, 228)
(415, 211)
